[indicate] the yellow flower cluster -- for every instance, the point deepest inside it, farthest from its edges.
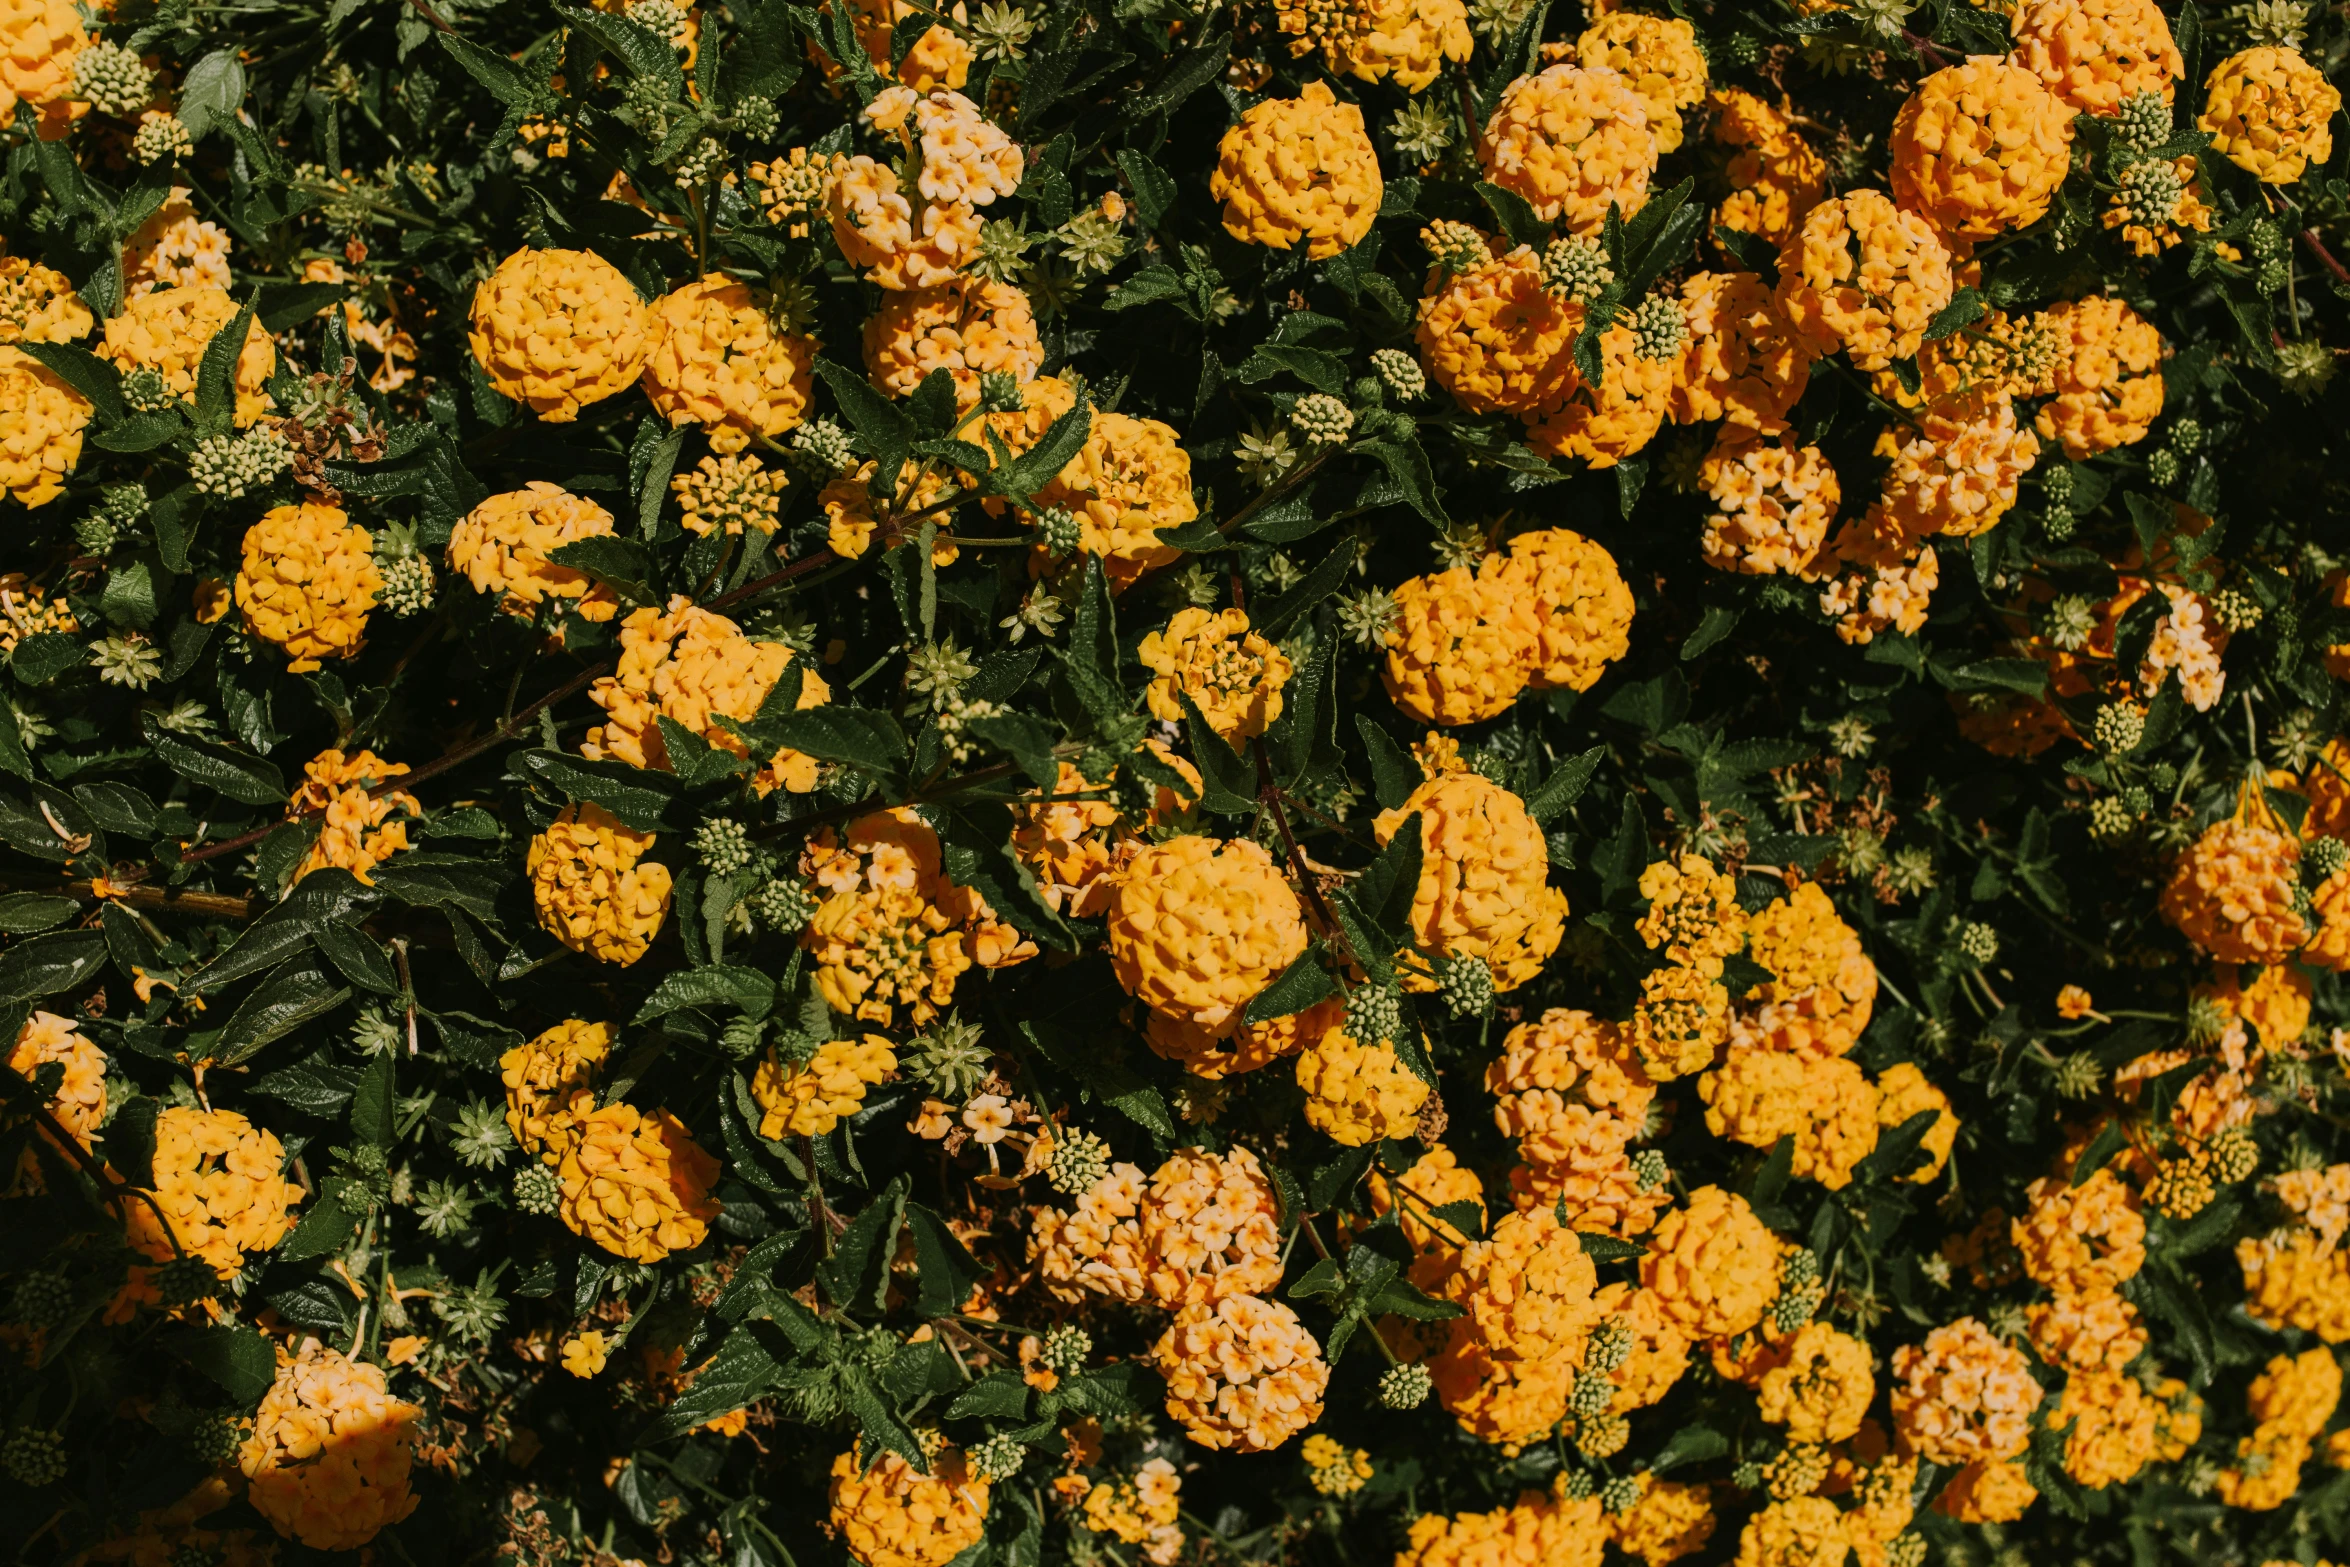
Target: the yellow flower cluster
(1543, 1529)
(695, 667)
(1436, 1179)
(1606, 421)
(1213, 657)
(1862, 275)
(1963, 1396)
(307, 583)
(1509, 1363)
(1988, 1491)
(1825, 1103)
(2114, 1428)
(2232, 891)
(1358, 1092)
(1552, 613)
(590, 892)
(939, 58)
(1774, 177)
(1484, 880)
(961, 163)
(1743, 363)
(1496, 339)
(1822, 1387)
(809, 1098)
(1208, 1228)
(1888, 583)
(1407, 42)
(1570, 1090)
(1712, 1265)
(41, 424)
(503, 546)
(1669, 1521)
(637, 1185)
(550, 1086)
(1773, 500)
(1823, 987)
(1802, 1531)
(1905, 1091)
(1571, 140)
(38, 304)
(1659, 57)
(2270, 113)
(968, 327)
(893, 930)
(2094, 54)
(38, 40)
(174, 249)
(2106, 377)
(1197, 927)
(556, 330)
(1143, 1511)
(720, 360)
(217, 1181)
(2082, 1239)
(1980, 148)
(892, 1515)
(1296, 169)
(723, 494)
(2290, 1402)
(2098, 1331)
(328, 1456)
(1130, 479)
(1078, 848)
(1242, 1373)
(80, 1101)
(1095, 1247)
(26, 610)
(356, 829)
(1955, 471)
(167, 331)
(1680, 1022)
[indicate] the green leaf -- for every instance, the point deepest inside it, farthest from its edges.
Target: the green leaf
(1689, 1444)
(240, 1361)
(498, 76)
(1106, 1077)
(1382, 896)
(327, 1227)
(216, 372)
(1514, 215)
(44, 656)
(211, 92)
(1037, 467)
(886, 429)
(46, 965)
(1154, 190)
(22, 913)
(243, 777)
(374, 1102)
(1718, 622)
(856, 1276)
(623, 565)
(1230, 779)
(865, 738)
(1274, 618)
(1564, 786)
(2110, 1140)
(1606, 1248)
(1296, 988)
(1407, 464)
(293, 994)
(945, 1270)
(1028, 741)
(1000, 1395)
(330, 896)
(636, 796)
(1966, 307)
(644, 52)
(745, 990)
(1394, 775)
(94, 378)
(744, 1369)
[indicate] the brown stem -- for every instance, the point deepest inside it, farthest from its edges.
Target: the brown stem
(1269, 795)
(1925, 48)
(798, 568)
(430, 15)
(110, 1186)
(162, 900)
(2318, 248)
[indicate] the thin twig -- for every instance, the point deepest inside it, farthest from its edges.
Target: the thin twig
(2318, 248)
(797, 568)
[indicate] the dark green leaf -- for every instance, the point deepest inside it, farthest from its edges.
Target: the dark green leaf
(287, 998)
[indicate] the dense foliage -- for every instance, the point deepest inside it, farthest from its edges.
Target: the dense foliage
(1329, 782)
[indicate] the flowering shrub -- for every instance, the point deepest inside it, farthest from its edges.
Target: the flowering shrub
(1420, 782)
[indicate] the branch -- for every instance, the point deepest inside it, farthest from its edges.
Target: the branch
(2318, 248)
